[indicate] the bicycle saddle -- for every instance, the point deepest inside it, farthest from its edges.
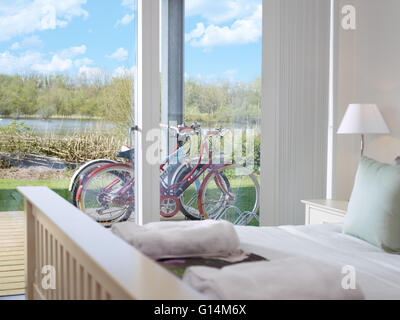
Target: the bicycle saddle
(128, 154)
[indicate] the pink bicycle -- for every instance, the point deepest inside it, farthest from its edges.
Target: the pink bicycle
(199, 188)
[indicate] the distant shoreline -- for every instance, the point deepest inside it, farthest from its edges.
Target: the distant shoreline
(205, 122)
(53, 117)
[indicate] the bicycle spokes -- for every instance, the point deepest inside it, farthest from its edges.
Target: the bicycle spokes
(108, 194)
(230, 193)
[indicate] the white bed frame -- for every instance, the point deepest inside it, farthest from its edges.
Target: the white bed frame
(90, 262)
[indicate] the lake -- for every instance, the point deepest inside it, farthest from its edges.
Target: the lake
(70, 126)
(62, 126)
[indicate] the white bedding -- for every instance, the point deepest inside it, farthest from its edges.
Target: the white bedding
(377, 272)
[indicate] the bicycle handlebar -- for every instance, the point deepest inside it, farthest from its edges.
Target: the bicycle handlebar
(166, 126)
(178, 129)
(194, 128)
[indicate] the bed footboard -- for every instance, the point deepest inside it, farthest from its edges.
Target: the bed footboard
(69, 256)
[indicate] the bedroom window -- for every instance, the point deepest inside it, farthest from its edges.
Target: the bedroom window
(66, 91)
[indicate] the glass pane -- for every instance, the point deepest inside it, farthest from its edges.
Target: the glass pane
(213, 165)
(222, 90)
(66, 97)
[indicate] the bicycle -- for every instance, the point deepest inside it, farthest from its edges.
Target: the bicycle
(83, 171)
(107, 194)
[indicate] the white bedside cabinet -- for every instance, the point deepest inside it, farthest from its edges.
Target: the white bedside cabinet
(325, 211)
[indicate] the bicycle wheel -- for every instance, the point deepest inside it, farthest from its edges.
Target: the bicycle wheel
(237, 202)
(188, 200)
(108, 195)
(84, 171)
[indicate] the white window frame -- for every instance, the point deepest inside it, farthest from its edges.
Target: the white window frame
(147, 112)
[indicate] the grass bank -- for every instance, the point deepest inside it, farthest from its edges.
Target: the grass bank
(12, 200)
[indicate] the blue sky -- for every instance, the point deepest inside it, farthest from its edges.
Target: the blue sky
(86, 37)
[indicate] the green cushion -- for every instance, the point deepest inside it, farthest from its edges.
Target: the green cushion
(374, 207)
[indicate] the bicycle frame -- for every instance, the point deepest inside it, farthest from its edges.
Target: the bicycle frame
(192, 176)
(175, 190)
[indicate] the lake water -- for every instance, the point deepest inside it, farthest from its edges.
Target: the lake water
(58, 126)
(69, 126)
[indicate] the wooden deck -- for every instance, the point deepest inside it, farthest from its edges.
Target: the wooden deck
(12, 280)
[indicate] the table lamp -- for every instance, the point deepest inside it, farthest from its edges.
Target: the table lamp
(363, 119)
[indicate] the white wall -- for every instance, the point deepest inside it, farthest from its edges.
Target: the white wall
(367, 71)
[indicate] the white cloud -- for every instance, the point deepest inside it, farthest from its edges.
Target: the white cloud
(125, 20)
(89, 72)
(131, 4)
(82, 62)
(56, 64)
(195, 33)
(28, 61)
(27, 16)
(220, 11)
(121, 55)
(32, 61)
(241, 31)
(10, 64)
(27, 43)
(122, 71)
(72, 52)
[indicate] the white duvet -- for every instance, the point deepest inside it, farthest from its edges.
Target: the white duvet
(377, 272)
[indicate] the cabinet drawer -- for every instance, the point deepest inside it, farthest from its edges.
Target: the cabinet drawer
(318, 216)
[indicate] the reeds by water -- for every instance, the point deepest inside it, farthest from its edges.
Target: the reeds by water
(79, 147)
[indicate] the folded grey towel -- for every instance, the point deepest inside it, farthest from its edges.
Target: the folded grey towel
(284, 279)
(159, 240)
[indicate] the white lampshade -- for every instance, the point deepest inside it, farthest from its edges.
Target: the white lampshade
(363, 119)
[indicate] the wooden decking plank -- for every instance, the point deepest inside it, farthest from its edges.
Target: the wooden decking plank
(4, 293)
(11, 235)
(12, 268)
(12, 238)
(12, 241)
(12, 280)
(11, 226)
(16, 232)
(15, 262)
(12, 286)
(15, 273)
(9, 249)
(12, 257)
(12, 253)
(12, 246)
